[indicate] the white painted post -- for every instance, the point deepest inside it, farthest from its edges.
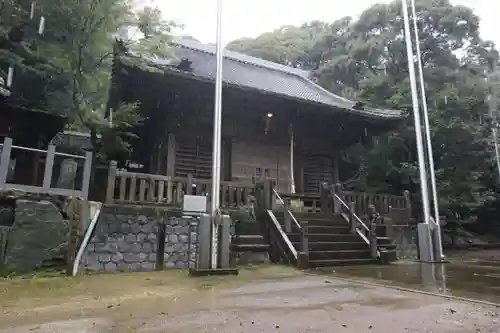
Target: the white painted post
(5, 161)
(49, 167)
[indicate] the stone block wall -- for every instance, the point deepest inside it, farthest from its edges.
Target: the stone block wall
(405, 239)
(127, 239)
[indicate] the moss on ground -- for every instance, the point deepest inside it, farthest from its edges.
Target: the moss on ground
(42, 290)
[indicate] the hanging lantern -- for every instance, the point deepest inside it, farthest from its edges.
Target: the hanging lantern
(32, 10)
(41, 26)
(267, 122)
(10, 77)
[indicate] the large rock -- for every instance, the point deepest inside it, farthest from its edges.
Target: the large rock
(39, 234)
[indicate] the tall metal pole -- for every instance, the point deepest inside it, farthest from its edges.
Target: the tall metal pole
(492, 111)
(217, 136)
(438, 245)
(416, 114)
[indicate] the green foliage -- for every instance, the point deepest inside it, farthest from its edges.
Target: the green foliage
(366, 60)
(68, 69)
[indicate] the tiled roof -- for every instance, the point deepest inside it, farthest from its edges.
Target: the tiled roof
(251, 72)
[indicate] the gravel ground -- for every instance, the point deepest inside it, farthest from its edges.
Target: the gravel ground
(271, 304)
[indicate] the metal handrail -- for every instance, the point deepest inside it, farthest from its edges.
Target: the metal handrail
(360, 233)
(297, 224)
(282, 234)
(353, 214)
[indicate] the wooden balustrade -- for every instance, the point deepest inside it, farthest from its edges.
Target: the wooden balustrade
(361, 201)
(126, 187)
(382, 202)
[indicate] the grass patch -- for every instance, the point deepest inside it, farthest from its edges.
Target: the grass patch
(48, 290)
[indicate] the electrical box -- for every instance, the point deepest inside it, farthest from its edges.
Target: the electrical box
(195, 204)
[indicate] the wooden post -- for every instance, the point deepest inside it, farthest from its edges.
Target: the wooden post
(268, 194)
(171, 155)
(49, 166)
(287, 217)
(406, 195)
(73, 211)
(373, 240)
(5, 161)
(87, 168)
(352, 221)
(189, 185)
(303, 255)
(372, 231)
(110, 190)
(160, 241)
(324, 197)
(337, 208)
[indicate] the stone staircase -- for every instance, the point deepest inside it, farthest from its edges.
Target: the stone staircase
(332, 244)
(248, 244)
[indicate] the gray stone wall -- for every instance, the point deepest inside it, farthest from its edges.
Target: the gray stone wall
(405, 239)
(126, 239)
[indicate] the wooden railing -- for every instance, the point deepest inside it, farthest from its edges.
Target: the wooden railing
(281, 246)
(126, 187)
(382, 202)
(6, 149)
(362, 201)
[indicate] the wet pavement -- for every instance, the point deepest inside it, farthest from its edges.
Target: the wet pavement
(469, 277)
(296, 304)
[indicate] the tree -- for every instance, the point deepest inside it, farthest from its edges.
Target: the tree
(366, 60)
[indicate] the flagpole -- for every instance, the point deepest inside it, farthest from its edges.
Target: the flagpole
(217, 136)
(439, 246)
(416, 114)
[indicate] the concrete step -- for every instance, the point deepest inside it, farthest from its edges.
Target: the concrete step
(343, 254)
(320, 229)
(248, 239)
(384, 241)
(248, 228)
(342, 262)
(344, 238)
(388, 256)
(334, 246)
(329, 229)
(250, 247)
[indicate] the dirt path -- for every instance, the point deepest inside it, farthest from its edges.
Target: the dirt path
(272, 299)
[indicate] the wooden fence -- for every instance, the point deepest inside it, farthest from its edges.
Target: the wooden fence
(126, 187)
(382, 202)
(5, 164)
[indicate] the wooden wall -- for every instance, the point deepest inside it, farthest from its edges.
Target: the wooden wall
(177, 136)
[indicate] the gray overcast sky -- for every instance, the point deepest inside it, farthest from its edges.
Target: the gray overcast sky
(243, 18)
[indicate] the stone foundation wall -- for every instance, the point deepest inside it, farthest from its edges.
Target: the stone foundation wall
(405, 239)
(127, 239)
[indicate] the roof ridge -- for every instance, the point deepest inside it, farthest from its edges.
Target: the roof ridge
(201, 47)
(286, 69)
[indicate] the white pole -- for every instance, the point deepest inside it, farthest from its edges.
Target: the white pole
(416, 114)
(217, 135)
(492, 112)
(439, 246)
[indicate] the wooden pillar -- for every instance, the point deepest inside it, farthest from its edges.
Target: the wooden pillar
(226, 158)
(335, 165)
(171, 150)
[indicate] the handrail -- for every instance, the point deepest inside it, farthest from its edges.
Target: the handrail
(86, 239)
(297, 224)
(50, 154)
(282, 233)
(358, 220)
(353, 214)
